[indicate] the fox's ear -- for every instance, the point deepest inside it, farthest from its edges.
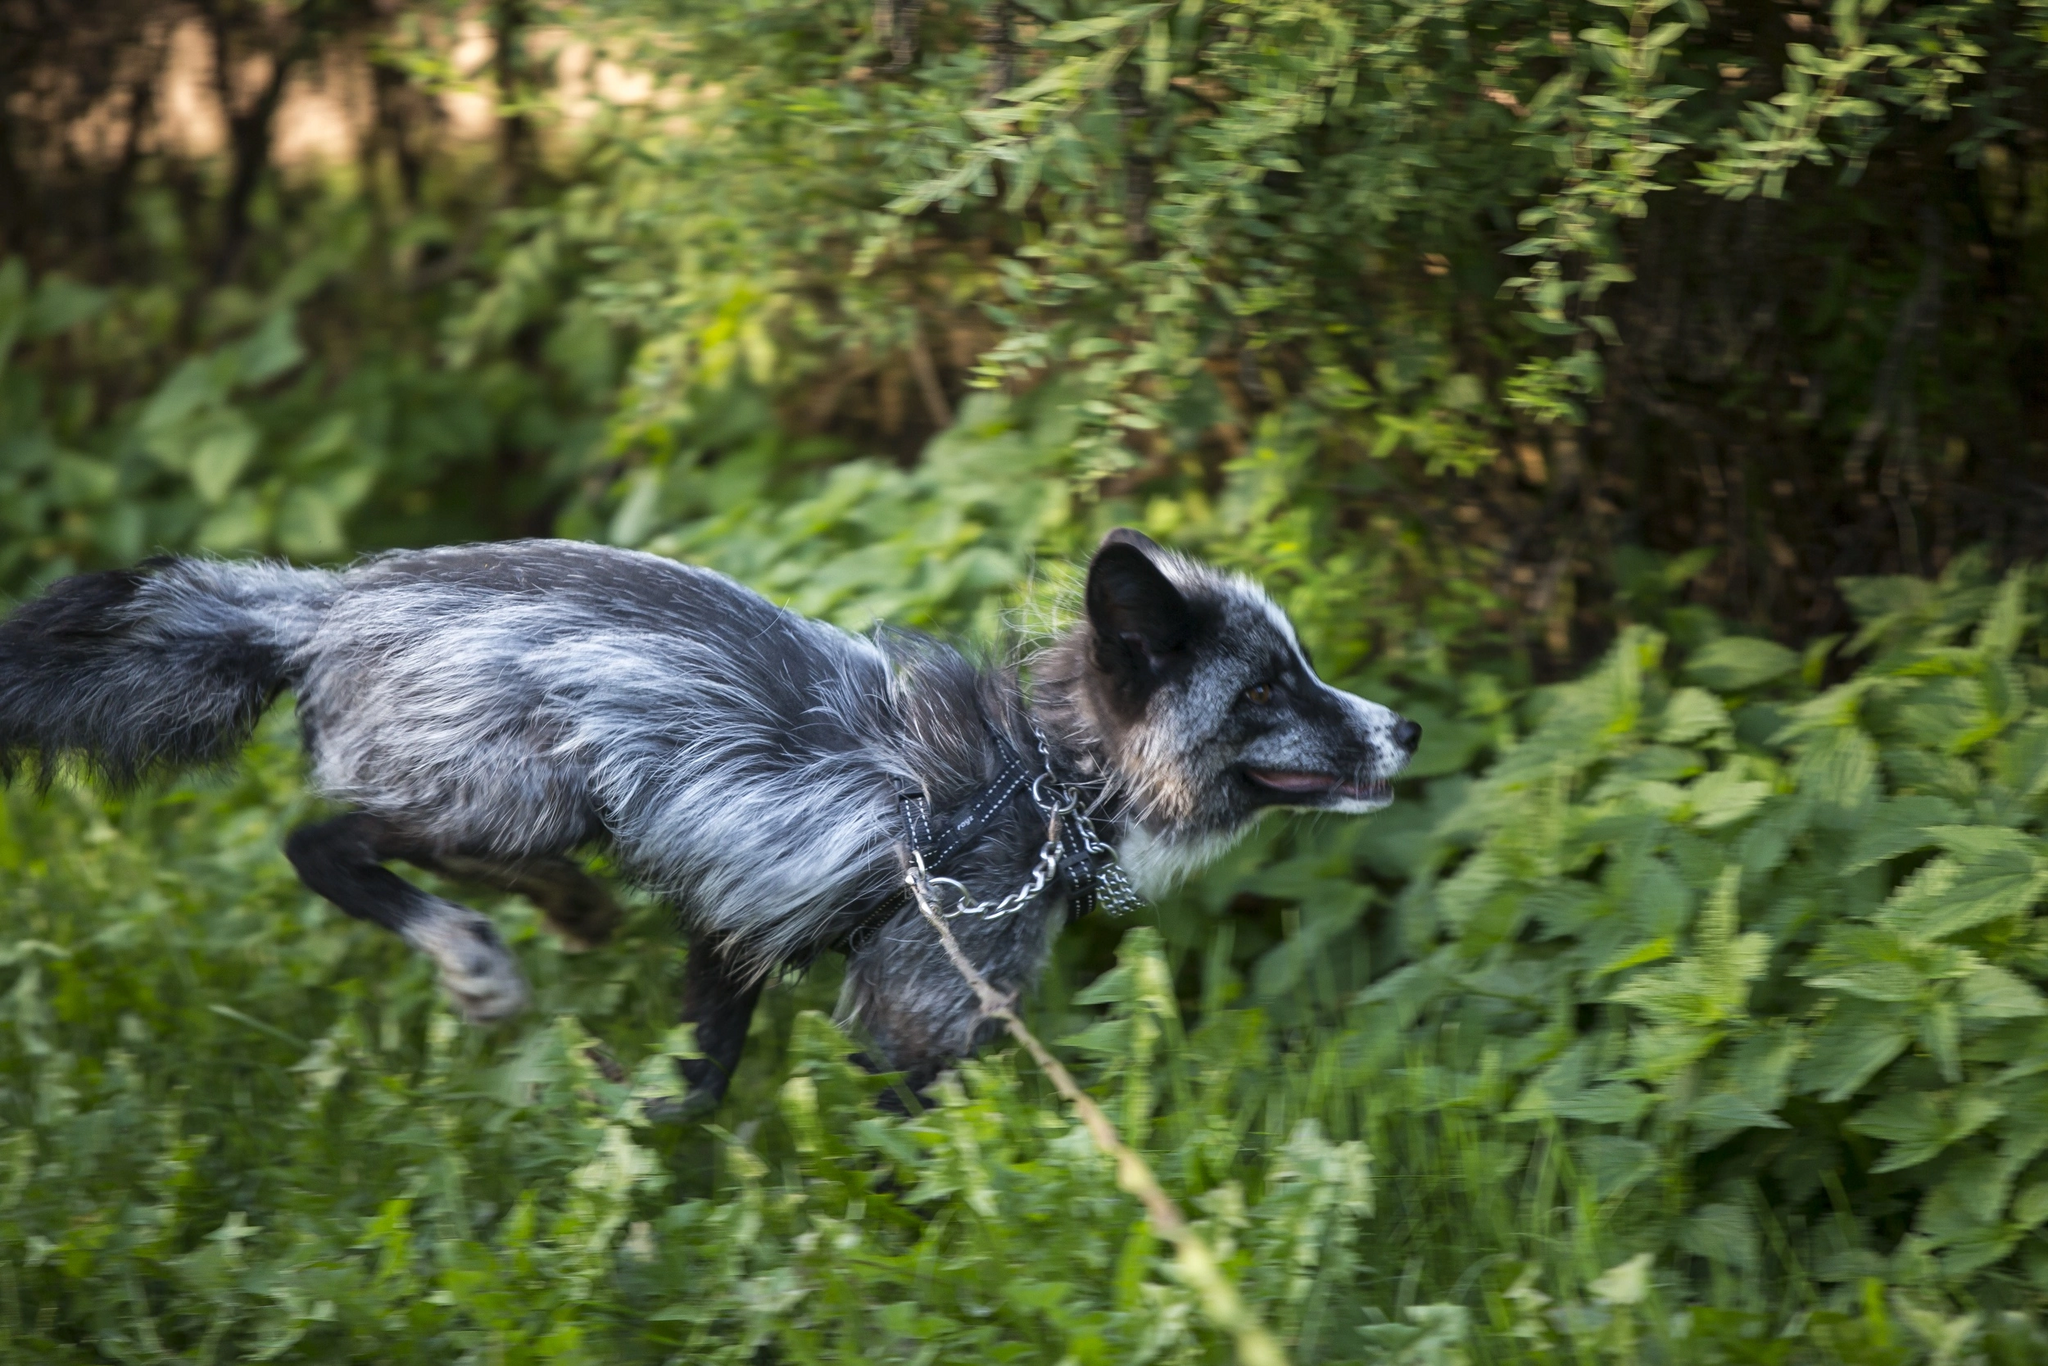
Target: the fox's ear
(1138, 615)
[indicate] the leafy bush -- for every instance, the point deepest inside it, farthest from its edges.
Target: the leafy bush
(1761, 954)
(1778, 938)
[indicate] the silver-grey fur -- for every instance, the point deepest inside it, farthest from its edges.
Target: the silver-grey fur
(487, 710)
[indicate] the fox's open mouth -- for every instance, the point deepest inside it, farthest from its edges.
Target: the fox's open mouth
(1321, 784)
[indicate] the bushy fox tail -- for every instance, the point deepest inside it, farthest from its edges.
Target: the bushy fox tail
(164, 666)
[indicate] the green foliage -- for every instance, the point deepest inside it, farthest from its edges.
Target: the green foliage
(307, 418)
(1133, 195)
(1688, 1011)
(1769, 948)
(1712, 998)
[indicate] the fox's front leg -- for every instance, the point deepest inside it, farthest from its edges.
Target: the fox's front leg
(904, 993)
(718, 998)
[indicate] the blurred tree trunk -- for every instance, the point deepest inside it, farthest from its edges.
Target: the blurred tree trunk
(511, 68)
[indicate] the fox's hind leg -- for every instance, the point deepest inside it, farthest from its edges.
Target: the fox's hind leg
(342, 860)
(576, 906)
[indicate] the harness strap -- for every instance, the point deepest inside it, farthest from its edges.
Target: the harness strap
(937, 848)
(1090, 885)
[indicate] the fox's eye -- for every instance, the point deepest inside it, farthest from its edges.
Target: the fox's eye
(1259, 694)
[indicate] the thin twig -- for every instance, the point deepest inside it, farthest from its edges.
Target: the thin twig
(1197, 1262)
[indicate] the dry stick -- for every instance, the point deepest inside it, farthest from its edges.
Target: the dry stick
(1198, 1265)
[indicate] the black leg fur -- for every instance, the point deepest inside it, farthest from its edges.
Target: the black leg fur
(341, 859)
(719, 1000)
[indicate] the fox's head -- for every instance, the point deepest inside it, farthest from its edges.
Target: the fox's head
(1206, 709)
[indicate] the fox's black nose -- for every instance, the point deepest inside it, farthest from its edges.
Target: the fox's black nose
(1407, 735)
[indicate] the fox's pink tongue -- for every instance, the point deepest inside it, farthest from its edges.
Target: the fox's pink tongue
(1282, 781)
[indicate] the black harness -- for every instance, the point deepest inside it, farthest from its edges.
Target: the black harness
(1092, 877)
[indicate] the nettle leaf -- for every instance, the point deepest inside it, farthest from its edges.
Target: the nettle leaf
(1616, 1164)
(1659, 1052)
(1611, 1103)
(1562, 1090)
(1990, 874)
(1723, 1233)
(1876, 964)
(1941, 1034)
(218, 451)
(2031, 1208)
(1838, 768)
(2023, 1133)
(1925, 770)
(1998, 637)
(1747, 1088)
(270, 350)
(1712, 985)
(1992, 993)
(2003, 689)
(1898, 825)
(1462, 894)
(1854, 1042)
(1724, 797)
(1635, 955)
(1948, 713)
(1920, 1124)
(1566, 907)
(2022, 760)
(1767, 843)
(1739, 663)
(1690, 716)
(1973, 1192)
(1726, 1112)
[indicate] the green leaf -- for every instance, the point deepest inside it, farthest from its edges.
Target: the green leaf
(1616, 1164)
(1999, 635)
(1104, 1036)
(1875, 964)
(1992, 993)
(1723, 1233)
(1726, 1111)
(2022, 760)
(2031, 1208)
(1724, 797)
(219, 451)
(1613, 1103)
(270, 350)
(1854, 1041)
(1739, 663)
(1895, 826)
(1838, 767)
(1712, 985)
(2002, 877)
(61, 304)
(1920, 1124)
(1691, 714)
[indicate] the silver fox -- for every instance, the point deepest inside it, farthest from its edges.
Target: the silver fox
(487, 710)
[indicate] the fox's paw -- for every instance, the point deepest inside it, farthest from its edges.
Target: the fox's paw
(478, 972)
(490, 994)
